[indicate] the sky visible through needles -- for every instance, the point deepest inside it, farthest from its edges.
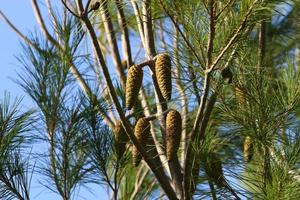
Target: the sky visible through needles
(22, 16)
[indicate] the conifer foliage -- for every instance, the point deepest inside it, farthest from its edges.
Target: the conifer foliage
(157, 99)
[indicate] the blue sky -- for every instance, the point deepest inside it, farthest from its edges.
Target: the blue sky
(21, 14)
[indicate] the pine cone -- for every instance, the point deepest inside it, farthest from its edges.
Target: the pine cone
(248, 149)
(173, 133)
(121, 138)
(141, 132)
(227, 75)
(240, 96)
(163, 74)
(133, 85)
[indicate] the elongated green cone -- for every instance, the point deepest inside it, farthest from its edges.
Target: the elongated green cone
(141, 132)
(133, 85)
(248, 149)
(173, 133)
(163, 74)
(240, 96)
(121, 139)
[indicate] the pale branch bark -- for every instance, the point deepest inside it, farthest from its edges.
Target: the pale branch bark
(229, 3)
(112, 41)
(139, 20)
(138, 183)
(189, 159)
(161, 153)
(53, 20)
(211, 35)
(125, 33)
(183, 98)
(158, 172)
(148, 31)
(174, 165)
(142, 93)
(41, 23)
(148, 43)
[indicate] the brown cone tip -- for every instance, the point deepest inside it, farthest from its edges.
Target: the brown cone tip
(173, 133)
(121, 138)
(133, 85)
(248, 149)
(227, 75)
(124, 64)
(141, 132)
(163, 74)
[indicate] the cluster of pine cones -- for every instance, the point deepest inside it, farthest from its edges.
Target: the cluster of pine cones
(142, 128)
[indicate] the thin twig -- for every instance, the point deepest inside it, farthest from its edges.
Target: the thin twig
(234, 37)
(181, 33)
(184, 103)
(42, 23)
(112, 42)
(125, 33)
(224, 8)
(70, 10)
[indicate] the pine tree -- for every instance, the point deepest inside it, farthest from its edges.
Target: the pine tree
(216, 83)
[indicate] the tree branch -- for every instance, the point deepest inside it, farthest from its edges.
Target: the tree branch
(161, 177)
(112, 41)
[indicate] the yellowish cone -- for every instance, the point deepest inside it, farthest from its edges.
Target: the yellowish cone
(240, 96)
(173, 133)
(248, 149)
(121, 139)
(133, 85)
(163, 74)
(141, 132)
